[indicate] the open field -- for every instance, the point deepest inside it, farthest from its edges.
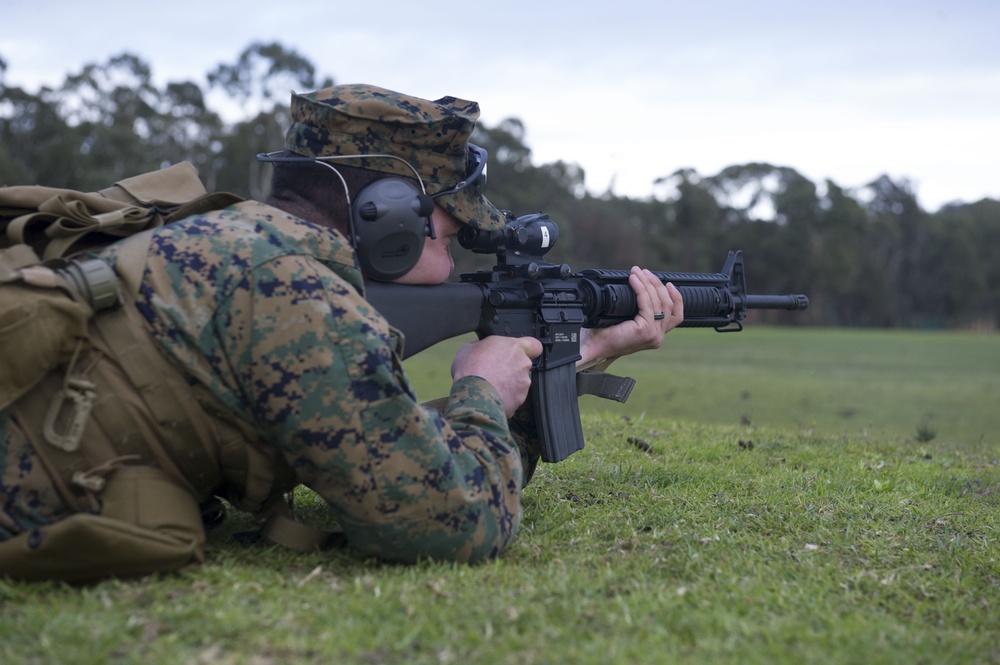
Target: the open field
(680, 534)
(942, 387)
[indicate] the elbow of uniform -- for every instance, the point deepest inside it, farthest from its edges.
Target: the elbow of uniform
(493, 533)
(469, 536)
(484, 538)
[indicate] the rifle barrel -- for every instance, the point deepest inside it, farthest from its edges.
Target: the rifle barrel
(791, 301)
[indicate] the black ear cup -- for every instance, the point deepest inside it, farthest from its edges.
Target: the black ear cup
(389, 220)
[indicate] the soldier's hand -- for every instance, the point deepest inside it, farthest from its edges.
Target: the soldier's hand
(661, 309)
(503, 361)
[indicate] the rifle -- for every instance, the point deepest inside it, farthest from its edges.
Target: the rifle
(524, 295)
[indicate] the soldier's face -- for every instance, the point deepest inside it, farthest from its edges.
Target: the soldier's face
(435, 263)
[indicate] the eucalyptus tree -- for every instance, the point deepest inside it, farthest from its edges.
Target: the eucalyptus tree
(258, 88)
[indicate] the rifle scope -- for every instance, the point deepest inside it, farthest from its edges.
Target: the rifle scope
(528, 235)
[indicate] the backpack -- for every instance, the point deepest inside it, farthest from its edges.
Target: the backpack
(134, 491)
(43, 228)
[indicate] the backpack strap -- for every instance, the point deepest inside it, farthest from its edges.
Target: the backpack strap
(185, 433)
(131, 263)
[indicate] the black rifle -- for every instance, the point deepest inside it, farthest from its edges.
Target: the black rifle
(525, 296)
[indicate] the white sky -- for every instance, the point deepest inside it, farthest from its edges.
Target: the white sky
(629, 89)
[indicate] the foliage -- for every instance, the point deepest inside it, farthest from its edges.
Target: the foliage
(866, 257)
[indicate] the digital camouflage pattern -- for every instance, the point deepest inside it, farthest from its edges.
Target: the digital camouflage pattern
(367, 120)
(28, 498)
(265, 311)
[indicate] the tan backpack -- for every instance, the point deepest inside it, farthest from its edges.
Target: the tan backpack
(129, 447)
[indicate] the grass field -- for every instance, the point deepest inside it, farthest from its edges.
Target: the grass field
(770, 497)
(923, 386)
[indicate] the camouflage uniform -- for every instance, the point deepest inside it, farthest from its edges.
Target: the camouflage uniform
(266, 311)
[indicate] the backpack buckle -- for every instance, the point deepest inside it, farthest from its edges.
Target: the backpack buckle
(78, 396)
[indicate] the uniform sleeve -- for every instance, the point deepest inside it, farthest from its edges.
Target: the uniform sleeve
(316, 370)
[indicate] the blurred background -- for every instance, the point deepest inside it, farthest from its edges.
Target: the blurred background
(849, 150)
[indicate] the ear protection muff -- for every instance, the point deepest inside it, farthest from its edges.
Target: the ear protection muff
(389, 220)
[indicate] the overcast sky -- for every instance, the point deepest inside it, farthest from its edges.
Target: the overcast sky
(629, 89)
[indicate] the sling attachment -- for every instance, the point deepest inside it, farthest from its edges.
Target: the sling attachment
(603, 384)
(594, 380)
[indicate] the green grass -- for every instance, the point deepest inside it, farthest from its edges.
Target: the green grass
(816, 539)
(921, 386)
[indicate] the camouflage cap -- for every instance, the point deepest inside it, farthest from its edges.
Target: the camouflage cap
(432, 136)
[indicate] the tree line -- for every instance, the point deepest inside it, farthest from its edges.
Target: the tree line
(868, 256)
